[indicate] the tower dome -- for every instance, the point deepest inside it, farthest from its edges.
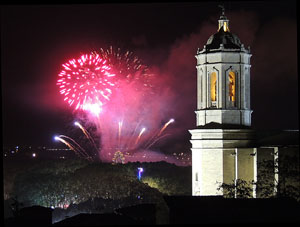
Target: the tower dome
(229, 40)
(223, 39)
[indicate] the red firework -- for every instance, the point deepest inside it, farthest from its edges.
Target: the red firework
(86, 83)
(129, 67)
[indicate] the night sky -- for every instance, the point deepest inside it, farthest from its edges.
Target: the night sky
(37, 39)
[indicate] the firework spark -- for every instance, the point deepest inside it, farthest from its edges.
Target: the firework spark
(128, 66)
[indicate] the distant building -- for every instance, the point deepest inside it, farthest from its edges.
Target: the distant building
(224, 147)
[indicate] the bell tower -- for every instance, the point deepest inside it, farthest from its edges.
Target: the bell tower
(223, 79)
(221, 143)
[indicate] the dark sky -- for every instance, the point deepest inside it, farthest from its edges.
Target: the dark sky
(37, 39)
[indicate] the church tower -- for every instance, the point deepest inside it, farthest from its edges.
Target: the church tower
(223, 74)
(221, 142)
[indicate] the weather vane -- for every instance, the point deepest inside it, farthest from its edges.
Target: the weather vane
(223, 8)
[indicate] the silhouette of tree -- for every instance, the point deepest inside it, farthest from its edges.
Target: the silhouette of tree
(286, 185)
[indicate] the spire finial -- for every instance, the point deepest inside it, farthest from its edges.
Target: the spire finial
(223, 21)
(223, 8)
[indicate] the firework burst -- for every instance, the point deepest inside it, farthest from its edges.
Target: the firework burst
(119, 86)
(127, 66)
(86, 83)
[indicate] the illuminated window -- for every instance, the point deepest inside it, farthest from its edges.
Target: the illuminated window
(213, 86)
(231, 78)
(201, 96)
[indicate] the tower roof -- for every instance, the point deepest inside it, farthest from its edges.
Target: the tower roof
(229, 40)
(223, 36)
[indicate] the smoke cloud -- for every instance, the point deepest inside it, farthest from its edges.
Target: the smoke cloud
(273, 73)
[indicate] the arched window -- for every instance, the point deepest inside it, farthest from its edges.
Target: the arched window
(231, 86)
(213, 86)
(201, 95)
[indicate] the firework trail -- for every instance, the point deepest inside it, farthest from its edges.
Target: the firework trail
(128, 141)
(82, 129)
(120, 130)
(156, 137)
(86, 133)
(86, 82)
(68, 144)
(165, 126)
(132, 134)
(139, 136)
(83, 152)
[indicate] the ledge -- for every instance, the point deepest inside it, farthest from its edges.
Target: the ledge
(214, 125)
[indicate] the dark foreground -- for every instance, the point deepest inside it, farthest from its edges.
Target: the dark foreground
(176, 210)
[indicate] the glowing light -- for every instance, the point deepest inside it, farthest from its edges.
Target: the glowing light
(118, 158)
(213, 86)
(142, 131)
(93, 108)
(224, 24)
(231, 78)
(140, 170)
